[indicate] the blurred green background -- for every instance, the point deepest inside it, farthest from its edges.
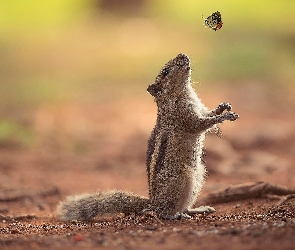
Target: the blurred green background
(89, 50)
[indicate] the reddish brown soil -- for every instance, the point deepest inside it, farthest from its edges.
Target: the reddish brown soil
(86, 148)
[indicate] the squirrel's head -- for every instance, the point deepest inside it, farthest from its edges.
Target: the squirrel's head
(172, 79)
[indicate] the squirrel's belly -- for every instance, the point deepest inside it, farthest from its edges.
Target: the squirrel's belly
(197, 183)
(194, 183)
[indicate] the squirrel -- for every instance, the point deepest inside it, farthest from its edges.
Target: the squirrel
(174, 155)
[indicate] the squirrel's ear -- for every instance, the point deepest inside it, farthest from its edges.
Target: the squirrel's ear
(154, 89)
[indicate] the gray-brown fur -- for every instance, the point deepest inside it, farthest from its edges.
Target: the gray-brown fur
(87, 206)
(174, 166)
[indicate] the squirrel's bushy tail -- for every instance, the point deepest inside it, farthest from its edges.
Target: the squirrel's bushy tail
(86, 206)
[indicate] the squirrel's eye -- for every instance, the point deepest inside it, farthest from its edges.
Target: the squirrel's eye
(165, 71)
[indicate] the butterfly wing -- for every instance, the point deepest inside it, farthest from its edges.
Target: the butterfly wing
(214, 21)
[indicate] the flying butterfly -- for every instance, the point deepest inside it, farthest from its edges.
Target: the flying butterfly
(214, 21)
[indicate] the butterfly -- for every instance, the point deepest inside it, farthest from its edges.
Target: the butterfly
(214, 21)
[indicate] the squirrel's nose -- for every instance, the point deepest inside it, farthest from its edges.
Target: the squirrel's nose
(182, 60)
(183, 56)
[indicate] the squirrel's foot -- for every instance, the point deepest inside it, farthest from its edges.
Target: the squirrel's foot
(150, 213)
(201, 210)
(177, 216)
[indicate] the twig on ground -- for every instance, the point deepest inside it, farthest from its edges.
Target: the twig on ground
(20, 194)
(17, 218)
(284, 199)
(248, 191)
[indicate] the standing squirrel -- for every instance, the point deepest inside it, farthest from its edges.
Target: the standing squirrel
(174, 165)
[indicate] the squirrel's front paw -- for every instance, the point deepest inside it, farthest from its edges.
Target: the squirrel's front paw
(231, 116)
(223, 106)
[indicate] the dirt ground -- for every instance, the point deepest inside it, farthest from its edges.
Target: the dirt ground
(93, 147)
